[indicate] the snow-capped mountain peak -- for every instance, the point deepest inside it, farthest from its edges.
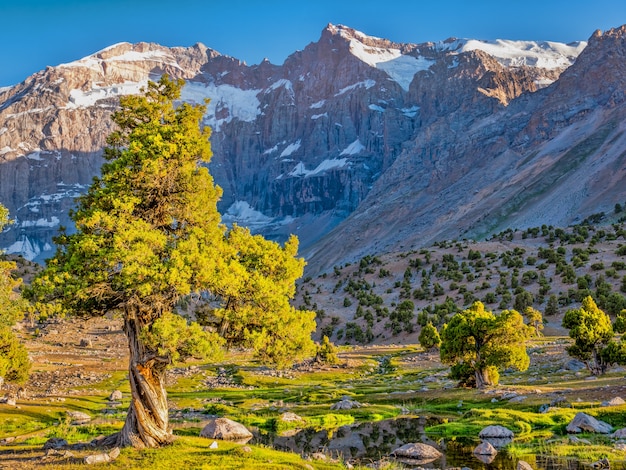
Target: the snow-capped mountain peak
(541, 54)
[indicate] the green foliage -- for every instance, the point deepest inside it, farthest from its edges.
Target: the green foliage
(327, 352)
(619, 325)
(149, 234)
(14, 362)
(256, 282)
(523, 300)
(591, 330)
(172, 335)
(535, 319)
(477, 342)
(402, 317)
(429, 337)
(552, 308)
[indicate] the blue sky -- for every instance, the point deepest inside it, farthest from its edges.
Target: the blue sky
(37, 33)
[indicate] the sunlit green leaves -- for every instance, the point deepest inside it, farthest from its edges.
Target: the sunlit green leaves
(149, 234)
(174, 337)
(478, 343)
(591, 330)
(14, 362)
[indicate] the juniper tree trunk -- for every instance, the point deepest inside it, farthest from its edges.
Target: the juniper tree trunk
(147, 419)
(482, 378)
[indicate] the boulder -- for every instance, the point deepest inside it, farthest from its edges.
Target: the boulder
(116, 395)
(498, 432)
(484, 448)
(601, 464)
(583, 422)
(345, 404)
(619, 434)
(518, 399)
(621, 446)
(289, 417)
(78, 417)
(417, 451)
(103, 457)
(617, 401)
(575, 365)
(225, 429)
(55, 443)
(522, 465)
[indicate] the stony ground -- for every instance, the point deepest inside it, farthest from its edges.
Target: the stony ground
(73, 353)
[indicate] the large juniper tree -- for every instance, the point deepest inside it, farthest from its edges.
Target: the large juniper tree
(149, 234)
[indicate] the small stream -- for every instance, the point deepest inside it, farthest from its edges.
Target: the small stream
(368, 442)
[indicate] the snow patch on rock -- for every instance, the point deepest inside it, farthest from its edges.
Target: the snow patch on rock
(227, 101)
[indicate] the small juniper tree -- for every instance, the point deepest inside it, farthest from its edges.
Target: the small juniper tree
(327, 352)
(429, 337)
(592, 331)
(535, 320)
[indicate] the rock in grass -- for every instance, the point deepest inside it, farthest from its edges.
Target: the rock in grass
(345, 404)
(225, 429)
(116, 395)
(78, 417)
(102, 458)
(617, 401)
(521, 465)
(289, 417)
(601, 464)
(498, 432)
(55, 443)
(575, 365)
(417, 451)
(484, 448)
(584, 422)
(619, 434)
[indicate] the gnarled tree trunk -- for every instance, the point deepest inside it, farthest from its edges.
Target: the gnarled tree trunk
(148, 415)
(482, 378)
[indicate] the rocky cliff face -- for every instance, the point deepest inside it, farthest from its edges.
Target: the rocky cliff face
(378, 143)
(551, 157)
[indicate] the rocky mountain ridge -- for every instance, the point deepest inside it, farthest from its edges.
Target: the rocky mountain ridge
(350, 134)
